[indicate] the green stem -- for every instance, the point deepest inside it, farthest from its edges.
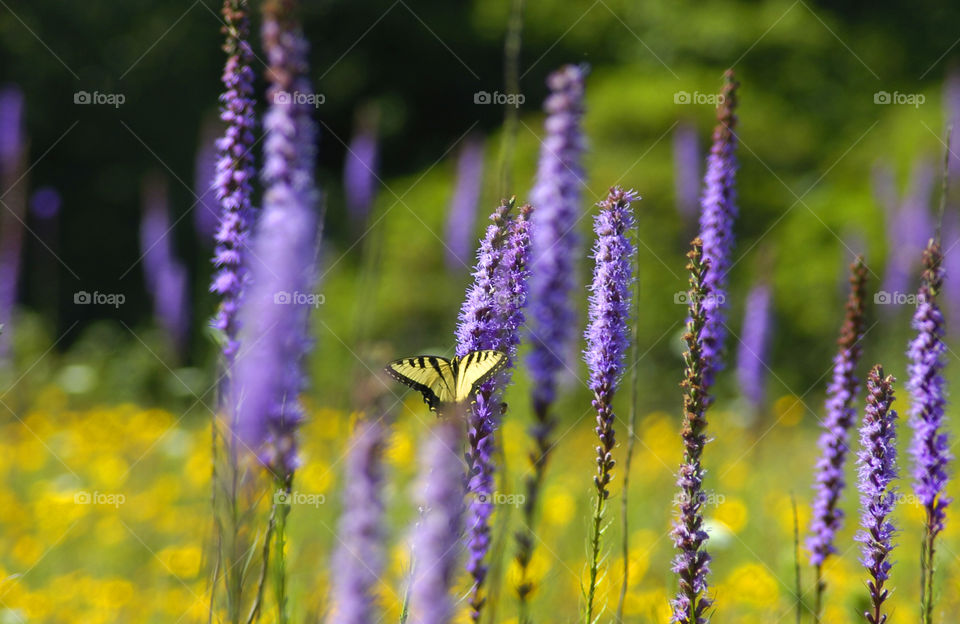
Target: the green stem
(818, 595)
(595, 555)
(798, 589)
(511, 73)
(927, 551)
(279, 569)
(264, 566)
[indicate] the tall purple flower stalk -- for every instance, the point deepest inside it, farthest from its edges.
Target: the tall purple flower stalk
(490, 318)
(557, 198)
(754, 346)
(686, 169)
(360, 556)
(607, 337)
(12, 162)
(166, 276)
(692, 562)
(877, 469)
(360, 173)
(718, 212)
(834, 439)
(234, 176)
(436, 539)
(270, 373)
(463, 205)
(930, 446)
(556, 194)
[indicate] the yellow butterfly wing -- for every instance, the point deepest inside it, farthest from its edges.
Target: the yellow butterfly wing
(430, 375)
(473, 369)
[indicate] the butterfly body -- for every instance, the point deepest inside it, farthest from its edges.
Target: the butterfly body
(442, 381)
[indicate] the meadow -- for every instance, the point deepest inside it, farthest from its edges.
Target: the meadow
(634, 266)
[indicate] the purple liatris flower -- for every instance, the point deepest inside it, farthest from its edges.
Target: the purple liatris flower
(270, 373)
(841, 416)
(877, 469)
(463, 205)
(718, 211)
(166, 276)
(490, 318)
(686, 169)
(436, 539)
(360, 556)
(556, 195)
(234, 176)
(692, 562)
(754, 346)
(607, 337)
(360, 174)
(930, 446)
(11, 127)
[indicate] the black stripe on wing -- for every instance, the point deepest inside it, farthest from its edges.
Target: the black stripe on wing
(429, 396)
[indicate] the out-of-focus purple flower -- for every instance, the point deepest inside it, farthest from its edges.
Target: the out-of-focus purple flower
(463, 205)
(360, 555)
(686, 169)
(490, 318)
(233, 182)
(45, 203)
(930, 446)
(12, 161)
(11, 127)
(165, 276)
(718, 212)
(841, 416)
(951, 101)
(877, 469)
(754, 346)
(206, 211)
(692, 561)
(908, 228)
(436, 539)
(360, 171)
(951, 263)
(607, 337)
(274, 320)
(556, 195)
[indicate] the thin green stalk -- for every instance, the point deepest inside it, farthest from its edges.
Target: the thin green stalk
(511, 74)
(927, 552)
(796, 558)
(595, 555)
(280, 558)
(818, 595)
(264, 566)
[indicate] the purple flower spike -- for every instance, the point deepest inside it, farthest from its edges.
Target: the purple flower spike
(436, 539)
(930, 447)
(234, 176)
(12, 162)
(360, 556)
(841, 416)
(360, 174)
(556, 195)
(490, 318)
(754, 346)
(165, 275)
(11, 127)
(463, 206)
(686, 169)
(607, 337)
(718, 211)
(692, 562)
(909, 224)
(274, 317)
(877, 469)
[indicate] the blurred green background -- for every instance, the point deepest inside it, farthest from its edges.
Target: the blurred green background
(811, 139)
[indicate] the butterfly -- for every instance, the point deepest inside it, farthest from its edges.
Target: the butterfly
(442, 381)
